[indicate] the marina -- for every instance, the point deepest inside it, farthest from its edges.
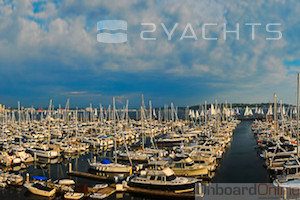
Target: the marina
(133, 154)
(146, 100)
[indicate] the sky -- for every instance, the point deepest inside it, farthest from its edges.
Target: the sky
(49, 50)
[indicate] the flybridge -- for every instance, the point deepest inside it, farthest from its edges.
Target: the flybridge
(209, 31)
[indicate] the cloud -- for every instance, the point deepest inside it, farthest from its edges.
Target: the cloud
(80, 93)
(54, 44)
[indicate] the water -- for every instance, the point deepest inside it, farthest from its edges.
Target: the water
(240, 164)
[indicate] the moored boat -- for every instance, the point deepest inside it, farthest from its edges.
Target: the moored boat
(73, 195)
(162, 179)
(98, 196)
(40, 189)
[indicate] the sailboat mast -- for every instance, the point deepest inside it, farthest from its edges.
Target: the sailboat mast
(114, 118)
(275, 112)
(298, 115)
(143, 116)
(269, 112)
(76, 118)
(205, 112)
(19, 116)
(49, 115)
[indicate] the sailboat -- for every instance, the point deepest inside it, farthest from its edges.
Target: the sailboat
(106, 165)
(212, 110)
(237, 110)
(270, 110)
(262, 111)
(43, 150)
(248, 112)
(202, 112)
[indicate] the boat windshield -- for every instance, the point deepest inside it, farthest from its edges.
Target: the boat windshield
(171, 178)
(291, 171)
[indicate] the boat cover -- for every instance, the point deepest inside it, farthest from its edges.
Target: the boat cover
(39, 178)
(105, 161)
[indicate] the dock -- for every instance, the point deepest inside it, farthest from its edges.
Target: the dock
(111, 189)
(158, 193)
(90, 176)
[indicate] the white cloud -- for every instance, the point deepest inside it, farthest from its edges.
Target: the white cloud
(66, 36)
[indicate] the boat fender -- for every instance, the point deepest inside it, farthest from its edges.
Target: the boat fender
(116, 179)
(119, 187)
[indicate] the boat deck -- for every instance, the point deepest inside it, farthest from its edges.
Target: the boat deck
(111, 189)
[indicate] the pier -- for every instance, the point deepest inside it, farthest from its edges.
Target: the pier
(89, 175)
(162, 194)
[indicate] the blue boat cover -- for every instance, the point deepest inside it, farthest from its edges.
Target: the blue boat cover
(39, 178)
(105, 161)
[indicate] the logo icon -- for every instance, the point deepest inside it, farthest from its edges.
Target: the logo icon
(112, 31)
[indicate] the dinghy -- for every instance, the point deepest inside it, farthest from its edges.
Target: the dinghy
(295, 184)
(40, 189)
(98, 196)
(73, 195)
(100, 186)
(66, 182)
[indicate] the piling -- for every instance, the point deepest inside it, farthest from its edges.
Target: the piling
(27, 177)
(70, 167)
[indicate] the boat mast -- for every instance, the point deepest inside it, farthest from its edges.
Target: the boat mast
(217, 119)
(19, 111)
(76, 118)
(275, 113)
(205, 112)
(114, 118)
(150, 111)
(2, 115)
(142, 122)
(298, 115)
(269, 111)
(49, 120)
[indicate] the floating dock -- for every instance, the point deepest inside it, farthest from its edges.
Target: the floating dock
(162, 194)
(90, 176)
(107, 191)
